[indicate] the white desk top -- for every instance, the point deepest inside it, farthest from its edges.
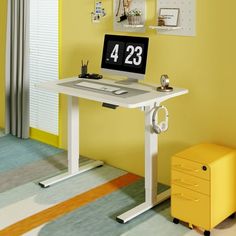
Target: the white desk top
(130, 102)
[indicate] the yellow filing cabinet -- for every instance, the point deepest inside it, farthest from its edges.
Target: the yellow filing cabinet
(203, 185)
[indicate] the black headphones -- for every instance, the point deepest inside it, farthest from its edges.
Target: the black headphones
(163, 125)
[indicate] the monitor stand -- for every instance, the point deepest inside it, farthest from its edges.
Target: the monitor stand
(127, 81)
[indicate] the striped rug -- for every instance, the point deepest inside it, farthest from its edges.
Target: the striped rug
(85, 205)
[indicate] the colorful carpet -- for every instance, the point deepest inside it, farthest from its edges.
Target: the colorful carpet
(85, 205)
(99, 218)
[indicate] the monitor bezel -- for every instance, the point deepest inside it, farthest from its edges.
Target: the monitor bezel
(121, 69)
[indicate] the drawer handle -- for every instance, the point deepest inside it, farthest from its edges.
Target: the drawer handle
(185, 168)
(181, 196)
(184, 183)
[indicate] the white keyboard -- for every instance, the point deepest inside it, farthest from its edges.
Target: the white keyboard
(100, 87)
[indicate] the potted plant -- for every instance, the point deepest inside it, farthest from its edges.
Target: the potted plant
(134, 17)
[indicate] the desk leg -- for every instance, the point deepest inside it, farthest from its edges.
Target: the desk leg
(73, 135)
(73, 147)
(151, 150)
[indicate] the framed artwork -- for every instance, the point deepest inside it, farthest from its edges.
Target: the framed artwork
(170, 16)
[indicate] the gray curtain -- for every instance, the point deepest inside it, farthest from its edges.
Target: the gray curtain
(17, 81)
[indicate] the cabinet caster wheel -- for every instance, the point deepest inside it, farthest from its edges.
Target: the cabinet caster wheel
(175, 221)
(207, 233)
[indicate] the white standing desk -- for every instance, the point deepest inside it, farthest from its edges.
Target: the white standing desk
(146, 102)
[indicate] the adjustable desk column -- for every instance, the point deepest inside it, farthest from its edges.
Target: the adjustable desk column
(73, 146)
(73, 135)
(151, 151)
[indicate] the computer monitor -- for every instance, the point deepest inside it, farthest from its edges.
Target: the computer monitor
(125, 56)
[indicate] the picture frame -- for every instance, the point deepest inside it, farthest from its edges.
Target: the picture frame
(170, 16)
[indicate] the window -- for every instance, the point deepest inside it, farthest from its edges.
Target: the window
(43, 64)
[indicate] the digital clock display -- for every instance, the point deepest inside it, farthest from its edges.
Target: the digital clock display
(125, 53)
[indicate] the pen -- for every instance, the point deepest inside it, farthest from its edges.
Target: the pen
(87, 62)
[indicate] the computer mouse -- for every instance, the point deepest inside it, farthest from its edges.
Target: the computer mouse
(119, 92)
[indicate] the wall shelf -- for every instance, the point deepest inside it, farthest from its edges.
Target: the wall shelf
(123, 26)
(187, 17)
(164, 28)
(134, 26)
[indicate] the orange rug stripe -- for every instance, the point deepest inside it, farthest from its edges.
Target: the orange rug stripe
(67, 206)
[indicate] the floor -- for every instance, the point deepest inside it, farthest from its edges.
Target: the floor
(2, 132)
(83, 205)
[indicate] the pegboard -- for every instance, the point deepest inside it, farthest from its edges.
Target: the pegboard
(121, 26)
(186, 17)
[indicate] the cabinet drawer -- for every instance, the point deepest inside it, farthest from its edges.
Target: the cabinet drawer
(190, 167)
(190, 206)
(190, 182)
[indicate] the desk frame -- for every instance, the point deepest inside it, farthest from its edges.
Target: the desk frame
(147, 103)
(151, 151)
(74, 167)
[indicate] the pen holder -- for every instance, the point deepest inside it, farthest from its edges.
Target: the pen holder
(84, 70)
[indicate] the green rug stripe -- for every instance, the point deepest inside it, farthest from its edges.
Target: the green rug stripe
(16, 152)
(98, 218)
(35, 170)
(159, 224)
(63, 190)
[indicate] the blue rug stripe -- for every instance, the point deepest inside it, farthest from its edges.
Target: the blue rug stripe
(17, 152)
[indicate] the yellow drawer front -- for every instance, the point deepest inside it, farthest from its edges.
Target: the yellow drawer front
(190, 182)
(190, 207)
(190, 167)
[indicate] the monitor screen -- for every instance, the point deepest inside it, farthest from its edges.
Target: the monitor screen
(125, 55)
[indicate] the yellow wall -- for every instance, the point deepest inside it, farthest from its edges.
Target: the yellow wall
(204, 64)
(3, 7)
